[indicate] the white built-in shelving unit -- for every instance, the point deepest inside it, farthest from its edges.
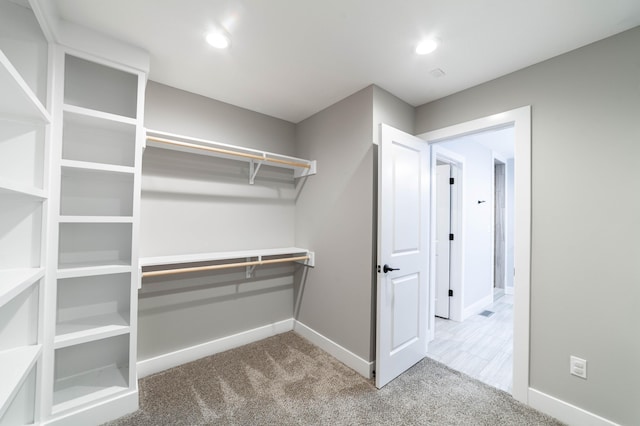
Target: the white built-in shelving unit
(97, 161)
(24, 194)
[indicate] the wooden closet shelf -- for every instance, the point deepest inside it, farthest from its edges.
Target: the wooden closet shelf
(255, 157)
(251, 259)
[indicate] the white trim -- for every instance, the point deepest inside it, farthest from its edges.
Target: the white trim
(508, 290)
(565, 412)
(100, 412)
(159, 363)
(521, 119)
(361, 366)
(477, 307)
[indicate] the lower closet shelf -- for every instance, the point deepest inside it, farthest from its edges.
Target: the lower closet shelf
(168, 265)
(90, 371)
(84, 330)
(15, 365)
(88, 387)
(87, 270)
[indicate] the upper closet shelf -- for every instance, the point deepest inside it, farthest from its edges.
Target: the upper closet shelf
(17, 100)
(249, 259)
(254, 157)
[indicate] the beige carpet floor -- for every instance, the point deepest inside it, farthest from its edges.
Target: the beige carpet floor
(285, 380)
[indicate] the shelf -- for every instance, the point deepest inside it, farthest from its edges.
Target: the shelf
(212, 257)
(255, 158)
(248, 259)
(15, 281)
(96, 219)
(18, 100)
(116, 120)
(22, 152)
(15, 365)
(84, 270)
(100, 87)
(98, 138)
(88, 166)
(86, 245)
(85, 330)
(89, 371)
(8, 187)
(89, 387)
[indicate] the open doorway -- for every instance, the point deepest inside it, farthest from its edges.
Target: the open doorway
(476, 336)
(520, 118)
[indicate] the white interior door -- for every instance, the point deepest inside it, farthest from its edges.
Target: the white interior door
(403, 244)
(443, 244)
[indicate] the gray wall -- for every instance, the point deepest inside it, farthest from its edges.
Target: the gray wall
(391, 110)
(585, 291)
(333, 218)
(192, 203)
(334, 215)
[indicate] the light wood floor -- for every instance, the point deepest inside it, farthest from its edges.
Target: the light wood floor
(481, 347)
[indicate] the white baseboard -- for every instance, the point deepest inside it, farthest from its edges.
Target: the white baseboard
(182, 356)
(508, 290)
(99, 413)
(364, 368)
(477, 307)
(565, 412)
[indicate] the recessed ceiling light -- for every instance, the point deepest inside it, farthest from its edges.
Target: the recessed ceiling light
(218, 39)
(427, 46)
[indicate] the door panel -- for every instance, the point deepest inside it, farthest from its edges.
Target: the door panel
(403, 244)
(406, 292)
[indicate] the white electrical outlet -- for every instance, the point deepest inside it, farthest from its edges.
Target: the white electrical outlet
(578, 366)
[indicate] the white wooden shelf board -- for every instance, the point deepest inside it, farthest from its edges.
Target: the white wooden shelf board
(83, 270)
(9, 187)
(17, 99)
(88, 167)
(15, 281)
(99, 115)
(15, 365)
(90, 329)
(298, 171)
(74, 391)
(212, 257)
(96, 219)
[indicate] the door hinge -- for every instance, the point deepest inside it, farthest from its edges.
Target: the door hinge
(452, 181)
(450, 237)
(450, 293)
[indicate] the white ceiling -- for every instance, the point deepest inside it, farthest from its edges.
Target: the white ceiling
(292, 58)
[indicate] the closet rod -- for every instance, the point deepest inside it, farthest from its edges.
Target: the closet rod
(223, 266)
(227, 152)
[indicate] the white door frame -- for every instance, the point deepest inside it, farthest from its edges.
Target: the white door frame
(521, 119)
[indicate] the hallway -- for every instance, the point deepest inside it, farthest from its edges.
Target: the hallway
(481, 346)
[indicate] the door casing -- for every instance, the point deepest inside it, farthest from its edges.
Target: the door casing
(520, 118)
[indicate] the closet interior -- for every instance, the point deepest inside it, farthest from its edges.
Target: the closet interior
(72, 143)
